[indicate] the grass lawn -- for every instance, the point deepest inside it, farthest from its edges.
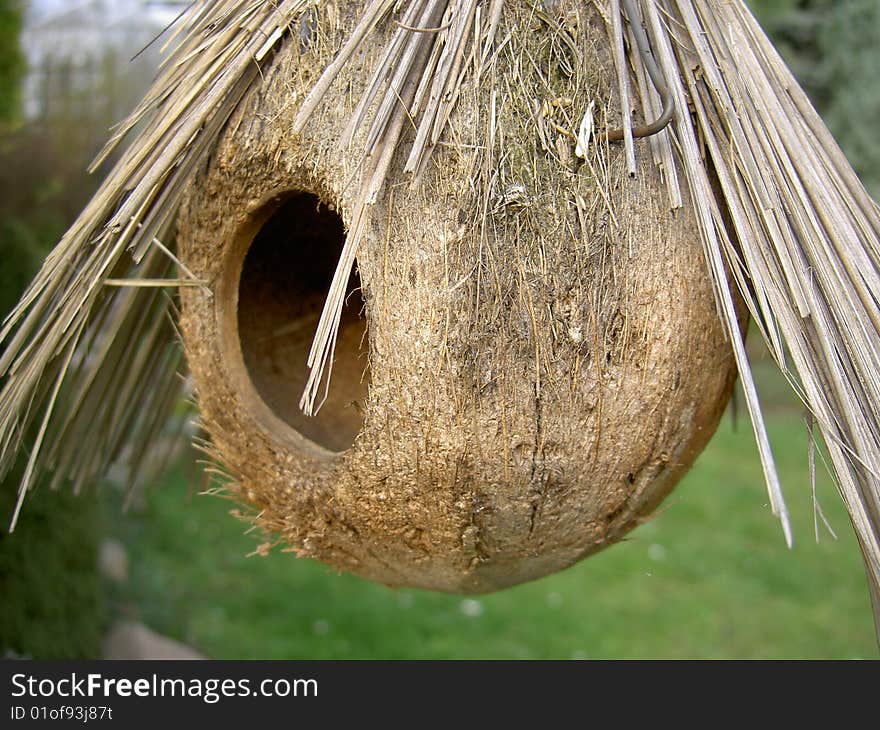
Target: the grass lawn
(51, 597)
(709, 577)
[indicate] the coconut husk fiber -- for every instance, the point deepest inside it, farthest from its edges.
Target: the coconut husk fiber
(529, 357)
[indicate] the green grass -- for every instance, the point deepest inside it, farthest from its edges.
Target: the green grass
(709, 577)
(51, 600)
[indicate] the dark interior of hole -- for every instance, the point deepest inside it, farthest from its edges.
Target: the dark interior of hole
(285, 277)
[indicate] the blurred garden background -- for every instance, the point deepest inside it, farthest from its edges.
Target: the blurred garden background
(709, 577)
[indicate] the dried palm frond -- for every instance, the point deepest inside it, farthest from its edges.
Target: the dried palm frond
(781, 213)
(805, 238)
(90, 365)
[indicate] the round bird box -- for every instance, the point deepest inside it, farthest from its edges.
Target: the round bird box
(529, 357)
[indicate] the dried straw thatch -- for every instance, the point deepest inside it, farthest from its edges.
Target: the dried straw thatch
(90, 366)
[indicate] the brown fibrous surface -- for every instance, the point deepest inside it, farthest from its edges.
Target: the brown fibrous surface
(530, 357)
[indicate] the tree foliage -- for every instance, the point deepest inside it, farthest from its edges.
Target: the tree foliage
(53, 610)
(832, 47)
(849, 43)
(11, 59)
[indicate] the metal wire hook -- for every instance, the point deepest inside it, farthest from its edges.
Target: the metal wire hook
(656, 75)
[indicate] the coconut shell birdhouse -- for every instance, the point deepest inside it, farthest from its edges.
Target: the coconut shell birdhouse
(462, 285)
(528, 356)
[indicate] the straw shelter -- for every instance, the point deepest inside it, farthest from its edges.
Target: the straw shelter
(462, 285)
